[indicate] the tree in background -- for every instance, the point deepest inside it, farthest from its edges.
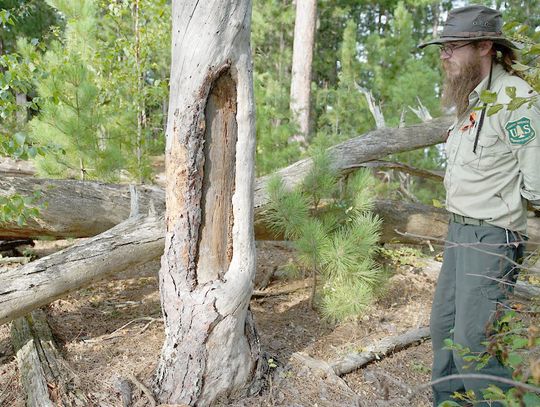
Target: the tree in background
(272, 38)
(304, 40)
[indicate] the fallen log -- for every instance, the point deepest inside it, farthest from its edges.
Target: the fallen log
(378, 350)
(86, 208)
(46, 377)
(75, 208)
(134, 241)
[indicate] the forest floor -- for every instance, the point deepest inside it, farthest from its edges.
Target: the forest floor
(113, 329)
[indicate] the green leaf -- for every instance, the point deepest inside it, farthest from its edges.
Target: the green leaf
(19, 138)
(531, 400)
(494, 109)
(436, 203)
(488, 97)
(515, 359)
(519, 342)
(449, 404)
(518, 66)
(517, 103)
(511, 91)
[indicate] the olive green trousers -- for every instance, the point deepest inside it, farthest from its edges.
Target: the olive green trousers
(469, 292)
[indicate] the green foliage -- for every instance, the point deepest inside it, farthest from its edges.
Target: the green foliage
(272, 31)
(515, 341)
(20, 208)
(334, 234)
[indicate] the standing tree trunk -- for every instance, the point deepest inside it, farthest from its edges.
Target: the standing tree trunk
(211, 350)
(304, 40)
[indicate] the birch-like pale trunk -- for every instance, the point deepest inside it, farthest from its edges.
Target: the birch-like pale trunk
(302, 61)
(211, 350)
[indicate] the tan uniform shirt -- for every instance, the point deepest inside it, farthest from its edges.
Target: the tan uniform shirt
(494, 183)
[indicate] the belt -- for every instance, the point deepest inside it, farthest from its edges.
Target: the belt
(464, 220)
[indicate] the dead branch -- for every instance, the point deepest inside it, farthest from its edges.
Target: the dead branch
(143, 389)
(384, 347)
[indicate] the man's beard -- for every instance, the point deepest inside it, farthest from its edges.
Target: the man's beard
(456, 88)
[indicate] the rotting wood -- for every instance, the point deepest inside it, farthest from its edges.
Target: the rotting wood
(378, 350)
(46, 377)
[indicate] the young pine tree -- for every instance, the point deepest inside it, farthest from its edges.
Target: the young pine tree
(70, 115)
(334, 233)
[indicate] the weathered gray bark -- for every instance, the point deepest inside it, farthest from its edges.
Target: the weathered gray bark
(371, 146)
(381, 348)
(40, 282)
(302, 61)
(211, 350)
(81, 209)
(75, 208)
(41, 366)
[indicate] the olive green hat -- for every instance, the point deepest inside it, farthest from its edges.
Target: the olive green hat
(472, 23)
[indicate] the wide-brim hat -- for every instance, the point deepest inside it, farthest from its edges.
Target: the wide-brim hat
(473, 23)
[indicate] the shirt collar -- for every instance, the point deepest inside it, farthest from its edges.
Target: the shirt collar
(474, 96)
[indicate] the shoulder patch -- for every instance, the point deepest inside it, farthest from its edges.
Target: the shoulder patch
(520, 131)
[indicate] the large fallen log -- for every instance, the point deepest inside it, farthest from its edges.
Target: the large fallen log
(84, 208)
(75, 208)
(46, 377)
(134, 241)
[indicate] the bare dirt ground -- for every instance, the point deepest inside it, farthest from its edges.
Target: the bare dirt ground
(113, 329)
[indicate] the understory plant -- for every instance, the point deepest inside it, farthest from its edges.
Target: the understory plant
(334, 231)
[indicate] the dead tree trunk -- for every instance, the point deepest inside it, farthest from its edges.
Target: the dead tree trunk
(46, 377)
(211, 349)
(302, 61)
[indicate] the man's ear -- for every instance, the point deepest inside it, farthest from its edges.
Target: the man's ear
(485, 47)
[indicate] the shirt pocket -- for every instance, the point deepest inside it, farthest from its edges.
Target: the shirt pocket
(489, 151)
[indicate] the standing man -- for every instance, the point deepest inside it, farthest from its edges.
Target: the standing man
(493, 170)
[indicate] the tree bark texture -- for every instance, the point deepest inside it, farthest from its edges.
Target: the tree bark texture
(46, 377)
(211, 349)
(81, 209)
(40, 282)
(302, 61)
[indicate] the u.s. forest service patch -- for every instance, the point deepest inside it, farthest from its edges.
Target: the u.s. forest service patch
(520, 131)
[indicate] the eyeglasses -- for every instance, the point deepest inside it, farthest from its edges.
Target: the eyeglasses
(449, 49)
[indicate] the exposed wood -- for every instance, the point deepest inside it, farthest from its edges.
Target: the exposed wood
(378, 350)
(323, 369)
(374, 108)
(133, 242)
(46, 377)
